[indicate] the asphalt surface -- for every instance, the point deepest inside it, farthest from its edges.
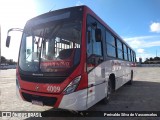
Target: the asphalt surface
(142, 95)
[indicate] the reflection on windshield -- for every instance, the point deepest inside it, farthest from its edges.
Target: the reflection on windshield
(50, 47)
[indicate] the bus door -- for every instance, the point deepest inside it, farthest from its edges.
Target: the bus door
(95, 64)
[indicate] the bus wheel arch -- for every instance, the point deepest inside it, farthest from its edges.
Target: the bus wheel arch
(112, 78)
(131, 79)
(110, 88)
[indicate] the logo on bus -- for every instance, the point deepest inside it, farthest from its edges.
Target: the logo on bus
(37, 88)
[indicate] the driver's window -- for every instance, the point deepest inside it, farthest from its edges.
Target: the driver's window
(94, 48)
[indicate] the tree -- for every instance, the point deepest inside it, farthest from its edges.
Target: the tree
(6, 61)
(3, 59)
(151, 59)
(147, 59)
(157, 58)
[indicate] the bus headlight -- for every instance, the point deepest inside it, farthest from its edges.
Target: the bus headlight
(72, 86)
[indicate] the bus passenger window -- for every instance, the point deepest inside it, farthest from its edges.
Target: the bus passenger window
(125, 52)
(111, 48)
(119, 48)
(129, 54)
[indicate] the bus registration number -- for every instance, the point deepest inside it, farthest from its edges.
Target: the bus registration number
(53, 89)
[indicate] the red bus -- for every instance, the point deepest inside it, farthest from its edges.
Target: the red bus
(71, 59)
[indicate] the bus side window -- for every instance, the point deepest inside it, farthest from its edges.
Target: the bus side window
(111, 47)
(125, 52)
(120, 49)
(129, 55)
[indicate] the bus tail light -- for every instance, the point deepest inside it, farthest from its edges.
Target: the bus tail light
(72, 86)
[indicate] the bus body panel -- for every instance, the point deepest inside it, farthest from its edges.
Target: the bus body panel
(96, 93)
(97, 83)
(99, 76)
(75, 101)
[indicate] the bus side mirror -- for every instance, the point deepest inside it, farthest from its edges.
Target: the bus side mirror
(98, 35)
(8, 41)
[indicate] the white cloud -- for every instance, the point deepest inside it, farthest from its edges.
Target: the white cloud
(141, 38)
(79, 3)
(140, 51)
(142, 45)
(155, 27)
(144, 56)
(143, 41)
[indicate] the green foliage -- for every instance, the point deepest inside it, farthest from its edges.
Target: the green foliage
(155, 60)
(7, 61)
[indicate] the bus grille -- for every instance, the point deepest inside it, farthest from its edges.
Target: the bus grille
(38, 79)
(48, 101)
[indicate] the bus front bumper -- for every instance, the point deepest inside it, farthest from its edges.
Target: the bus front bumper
(75, 101)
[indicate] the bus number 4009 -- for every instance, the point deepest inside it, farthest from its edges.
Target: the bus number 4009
(54, 89)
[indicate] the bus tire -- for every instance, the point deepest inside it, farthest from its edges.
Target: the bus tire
(109, 92)
(131, 80)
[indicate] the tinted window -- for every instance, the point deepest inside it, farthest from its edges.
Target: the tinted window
(129, 54)
(119, 49)
(109, 38)
(125, 52)
(110, 41)
(111, 50)
(120, 54)
(119, 44)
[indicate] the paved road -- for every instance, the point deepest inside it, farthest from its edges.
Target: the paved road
(143, 95)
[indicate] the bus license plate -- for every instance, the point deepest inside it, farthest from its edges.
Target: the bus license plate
(37, 102)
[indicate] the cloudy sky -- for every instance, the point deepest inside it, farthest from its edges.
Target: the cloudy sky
(136, 21)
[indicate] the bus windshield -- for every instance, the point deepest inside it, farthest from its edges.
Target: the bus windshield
(50, 47)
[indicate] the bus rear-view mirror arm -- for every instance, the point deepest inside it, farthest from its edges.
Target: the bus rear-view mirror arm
(9, 37)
